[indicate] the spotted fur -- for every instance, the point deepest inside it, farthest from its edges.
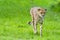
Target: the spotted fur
(37, 15)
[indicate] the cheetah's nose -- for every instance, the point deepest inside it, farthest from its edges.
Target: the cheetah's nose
(43, 15)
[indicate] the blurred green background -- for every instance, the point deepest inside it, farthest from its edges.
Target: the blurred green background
(15, 14)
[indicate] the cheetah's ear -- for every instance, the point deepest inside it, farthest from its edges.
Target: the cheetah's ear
(39, 9)
(45, 9)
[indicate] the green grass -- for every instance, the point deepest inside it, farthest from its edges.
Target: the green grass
(14, 15)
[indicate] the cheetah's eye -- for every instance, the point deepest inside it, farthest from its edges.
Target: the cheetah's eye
(41, 12)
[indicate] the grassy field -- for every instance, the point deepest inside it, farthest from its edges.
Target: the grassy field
(14, 15)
